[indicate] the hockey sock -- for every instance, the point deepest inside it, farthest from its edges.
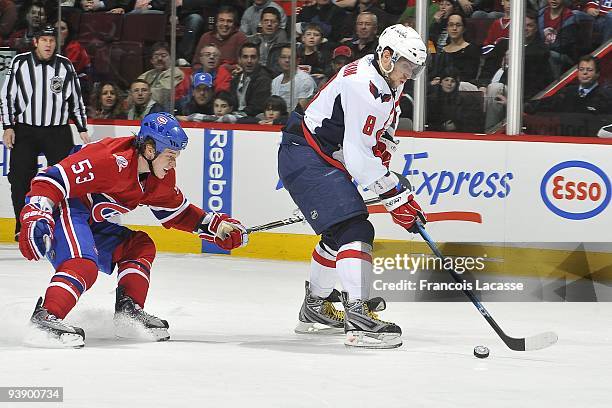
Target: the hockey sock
(354, 265)
(71, 279)
(134, 257)
(133, 275)
(322, 271)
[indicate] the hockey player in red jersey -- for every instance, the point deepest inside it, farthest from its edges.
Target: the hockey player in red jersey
(66, 220)
(345, 133)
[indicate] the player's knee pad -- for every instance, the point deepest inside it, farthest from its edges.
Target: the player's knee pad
(139, 246)
(83, 271)
(354, 229)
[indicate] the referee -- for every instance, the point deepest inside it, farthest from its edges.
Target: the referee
(40, 93)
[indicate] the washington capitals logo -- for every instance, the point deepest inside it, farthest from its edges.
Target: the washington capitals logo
(122, 162)
(377, 94)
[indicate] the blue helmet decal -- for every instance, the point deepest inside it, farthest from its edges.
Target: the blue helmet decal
(165, 130)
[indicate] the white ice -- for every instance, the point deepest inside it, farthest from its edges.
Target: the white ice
(231, 322)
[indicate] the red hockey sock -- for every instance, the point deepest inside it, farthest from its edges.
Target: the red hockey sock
(71, 279)
(133, 275)
(134, 257)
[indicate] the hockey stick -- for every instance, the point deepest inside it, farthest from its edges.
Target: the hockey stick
(295, 219)
(537, 342)
(299, 218)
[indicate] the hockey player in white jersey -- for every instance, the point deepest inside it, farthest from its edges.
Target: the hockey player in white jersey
(345, 133)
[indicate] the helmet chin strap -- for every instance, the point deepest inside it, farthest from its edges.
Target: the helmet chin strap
(149, 161)
(385, 71)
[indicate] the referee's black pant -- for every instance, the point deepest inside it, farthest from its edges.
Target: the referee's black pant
(54, 142)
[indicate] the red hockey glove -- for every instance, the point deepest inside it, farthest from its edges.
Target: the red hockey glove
(404, 210)
(37, 226)
(384, 148)
(227, 233)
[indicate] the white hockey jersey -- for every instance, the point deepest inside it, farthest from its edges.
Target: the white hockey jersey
(348, 116)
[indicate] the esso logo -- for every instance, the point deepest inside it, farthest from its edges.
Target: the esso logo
(576, 190)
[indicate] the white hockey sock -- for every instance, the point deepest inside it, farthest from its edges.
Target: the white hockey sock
(322, 271)
(354, 265)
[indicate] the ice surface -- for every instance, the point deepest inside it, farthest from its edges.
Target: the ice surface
(231, 322)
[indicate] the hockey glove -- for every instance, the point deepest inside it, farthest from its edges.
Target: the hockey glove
(384, 148)
(227, 233)
(37, 226)
(404, 210)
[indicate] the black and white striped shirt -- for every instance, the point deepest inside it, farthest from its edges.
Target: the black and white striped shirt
(42, 93)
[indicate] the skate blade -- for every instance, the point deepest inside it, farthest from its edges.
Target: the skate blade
(43, 339)
(359, 339)
(129, 329)
(317, 328)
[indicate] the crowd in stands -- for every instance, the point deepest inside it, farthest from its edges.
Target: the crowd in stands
(233, 57)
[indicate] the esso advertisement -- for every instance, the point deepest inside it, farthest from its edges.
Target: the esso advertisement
(576, 190)
(217, 177)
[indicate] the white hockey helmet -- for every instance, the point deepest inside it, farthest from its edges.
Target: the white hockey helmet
(404, 42)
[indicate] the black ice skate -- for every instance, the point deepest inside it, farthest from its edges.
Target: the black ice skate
(319, 316)
(51, 331)
(133, 322)
(363, 328)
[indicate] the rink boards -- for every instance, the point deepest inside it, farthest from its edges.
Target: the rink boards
(519, 192)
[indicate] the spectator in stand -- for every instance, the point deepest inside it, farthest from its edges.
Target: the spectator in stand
(226, 37)
(438, 33)
(495, 44)
(341, 56)
(536, 73)
(251, 19)
(365, 41)
(326, 14)
(310, 57)
(32, 18)
(107, 103)
(250, 82)
(558, 29)
(223, 106)
(587, 97)
(458, 53)
(304, 87)
(210, 62)
(159, 78)
(271, 34)
(71, 48)
(447, 110)
(487, 9)
(498, 31)
(274, 114)
(8, 18)
(383, 18)
(192, 108)
(600, 12)
(141, 102)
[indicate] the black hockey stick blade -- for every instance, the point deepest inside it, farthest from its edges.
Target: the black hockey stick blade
(537, 342)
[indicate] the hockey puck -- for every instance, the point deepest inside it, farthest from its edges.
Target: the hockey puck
(481, 352)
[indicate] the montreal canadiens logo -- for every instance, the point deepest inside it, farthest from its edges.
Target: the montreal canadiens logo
(121, 161)
(576, 190)
(105, 210)
(162, 119)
